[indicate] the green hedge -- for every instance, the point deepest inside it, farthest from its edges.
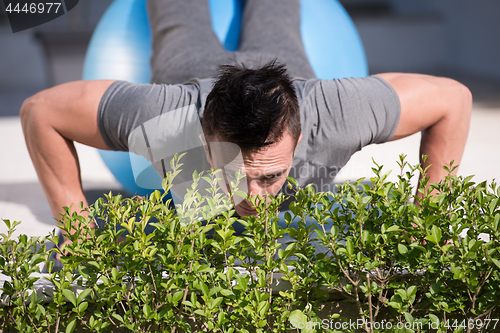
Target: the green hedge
(398, 264)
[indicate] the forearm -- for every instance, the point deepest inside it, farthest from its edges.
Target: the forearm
(54, 158)
(438, 107)
(444, 141)
(52, 120)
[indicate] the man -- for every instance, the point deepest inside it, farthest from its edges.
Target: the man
(284, 122)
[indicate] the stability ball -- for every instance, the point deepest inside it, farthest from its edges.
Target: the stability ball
(120, 49)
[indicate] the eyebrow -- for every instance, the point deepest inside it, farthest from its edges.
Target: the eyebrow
(268, 175)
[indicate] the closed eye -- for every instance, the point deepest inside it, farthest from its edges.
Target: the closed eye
(272, 177)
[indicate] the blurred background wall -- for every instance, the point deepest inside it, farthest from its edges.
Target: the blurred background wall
(23, 59)
(451, 37)
(430, 36)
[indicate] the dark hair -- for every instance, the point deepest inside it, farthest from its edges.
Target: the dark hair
(252, 107)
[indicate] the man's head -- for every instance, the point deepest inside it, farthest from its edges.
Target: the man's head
(256, 109)
(252, 108)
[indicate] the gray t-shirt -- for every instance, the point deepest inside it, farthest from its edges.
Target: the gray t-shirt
(338, 118)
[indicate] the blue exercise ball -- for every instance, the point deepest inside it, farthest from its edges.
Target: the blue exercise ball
(120, 49)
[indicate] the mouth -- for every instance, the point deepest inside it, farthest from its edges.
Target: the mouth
(246, 209)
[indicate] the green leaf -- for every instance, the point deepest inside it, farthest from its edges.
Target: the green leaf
(188, 303)
(366, 200)
(396, 302)
(146, 309)
(227, 293)
(393, 228)
(297, 319)
(496, 262)
(493, 205)
(70, 296)
(349, 247)
(118, 317)
(194, 299)
(104, 279)
(457, 272)
(204, 288)
(434, 236)
(409, 318)
(334, 231)
(71, 326)
(411, 292)
(82, 307)
(178, 296)
(434, 321)
(366, 238)
(353, 201)
(262, 308)
(217, 302)
(402, 249)
(275, 228)
(50, 266)
(83, 295)
(200, 312)
(436, 232)
(293, 181)
(473, 245)
(7, 223)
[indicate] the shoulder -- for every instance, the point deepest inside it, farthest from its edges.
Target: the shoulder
(145, 95)
(303, 87)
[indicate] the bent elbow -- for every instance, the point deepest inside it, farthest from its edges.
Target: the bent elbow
(460, 111)
(459, 104)
(26, 110)
(465, 104)
(29, 110)
(467, 99)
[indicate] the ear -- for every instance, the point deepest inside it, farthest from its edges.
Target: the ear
(206, 149)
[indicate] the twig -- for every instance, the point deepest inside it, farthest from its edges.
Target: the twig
(487, 312)
(370, 301)
(381, 296)
(57, 321)
(185, 289)
(154, 283)
(479, 288)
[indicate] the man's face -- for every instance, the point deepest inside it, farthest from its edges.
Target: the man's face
(265, 171)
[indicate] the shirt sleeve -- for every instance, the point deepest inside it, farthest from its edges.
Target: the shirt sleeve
(342, 116)
(126, 106)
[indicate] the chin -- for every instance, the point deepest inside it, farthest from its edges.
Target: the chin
(244, 212)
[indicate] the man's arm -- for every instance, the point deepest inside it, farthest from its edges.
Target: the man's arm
(439, 107)
(52, 120)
